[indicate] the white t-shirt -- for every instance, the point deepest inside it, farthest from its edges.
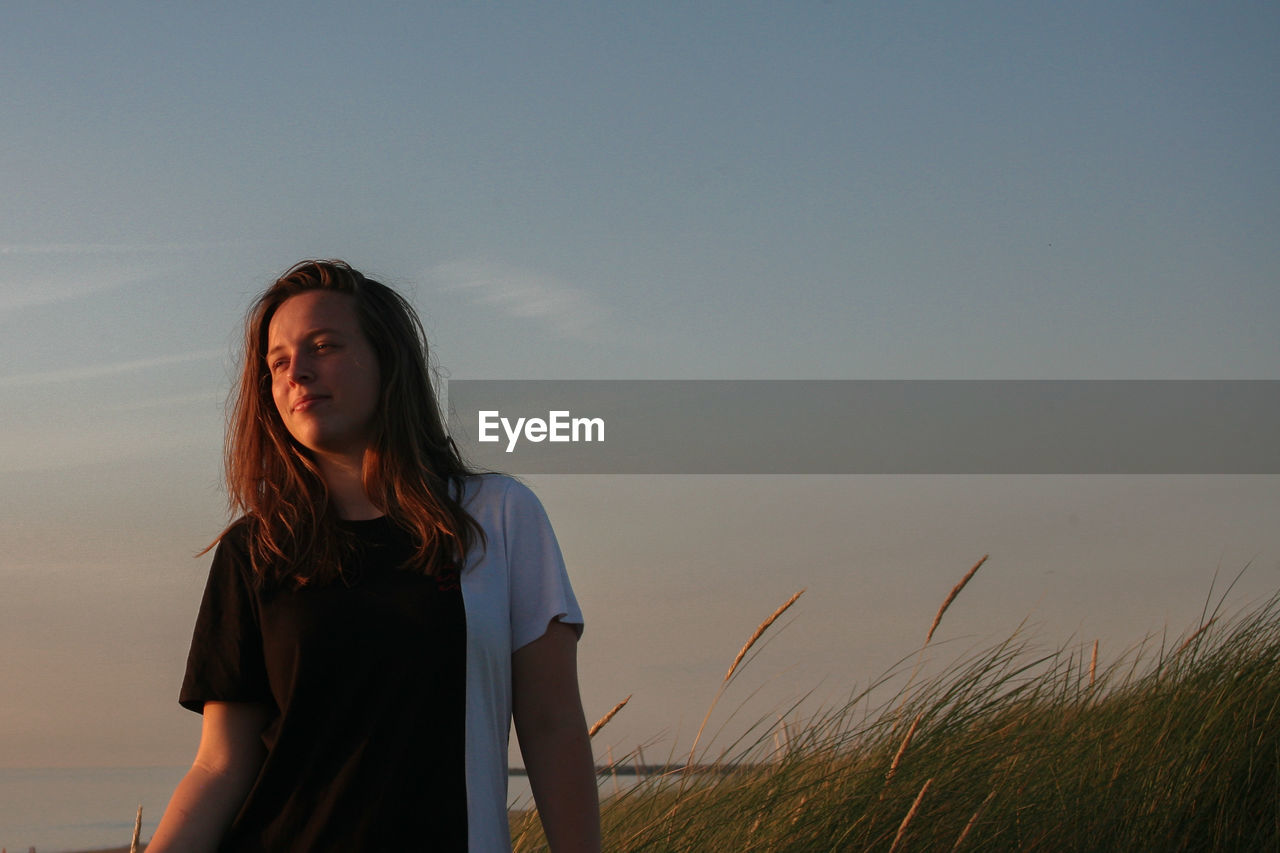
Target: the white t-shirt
(512, 588)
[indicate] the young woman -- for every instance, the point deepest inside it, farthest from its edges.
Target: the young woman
(378, 614)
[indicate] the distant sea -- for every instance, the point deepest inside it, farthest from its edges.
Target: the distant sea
(57, 810)
(73, 808)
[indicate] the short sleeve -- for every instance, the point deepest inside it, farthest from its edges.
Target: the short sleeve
(540, 590)
(225, 663)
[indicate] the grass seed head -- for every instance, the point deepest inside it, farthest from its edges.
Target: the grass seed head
(955, 590)
(759, 632)
(607, 717)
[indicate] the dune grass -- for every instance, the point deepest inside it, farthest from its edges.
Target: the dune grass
(1173, 747)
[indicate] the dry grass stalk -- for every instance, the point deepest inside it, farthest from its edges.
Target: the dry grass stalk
(613, 770)
(951, 596)
(137, 831)
(782, 739)
(759, 632)
(607, 717)
(764, 626)
(955, 590)
(1189, 640)
(799, 809)
(518, 844)
(902, 748)
(902, 828)
(964, 833)
(1093, 663)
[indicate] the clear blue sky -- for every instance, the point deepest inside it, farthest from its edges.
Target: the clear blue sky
(807, 190)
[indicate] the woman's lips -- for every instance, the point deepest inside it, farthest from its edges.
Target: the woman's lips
(308, 402)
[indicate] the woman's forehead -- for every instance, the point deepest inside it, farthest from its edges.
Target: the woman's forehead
(311, 311)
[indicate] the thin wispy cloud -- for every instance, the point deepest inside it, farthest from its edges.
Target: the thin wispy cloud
(19, 290)
(169, 401)
(20, 249)
(566, 310)
(97, 371)
(34, 274)
(116, 439)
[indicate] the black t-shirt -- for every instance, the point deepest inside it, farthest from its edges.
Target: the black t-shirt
(366, 678)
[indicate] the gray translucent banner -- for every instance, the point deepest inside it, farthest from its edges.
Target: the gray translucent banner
(868, 427)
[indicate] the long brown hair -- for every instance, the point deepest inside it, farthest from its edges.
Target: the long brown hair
(412, 469)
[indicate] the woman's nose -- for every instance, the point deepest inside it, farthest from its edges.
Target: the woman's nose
(300, 370)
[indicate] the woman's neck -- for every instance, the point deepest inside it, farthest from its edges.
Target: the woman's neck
(343, 476)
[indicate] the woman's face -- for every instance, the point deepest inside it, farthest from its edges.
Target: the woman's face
(324, 373)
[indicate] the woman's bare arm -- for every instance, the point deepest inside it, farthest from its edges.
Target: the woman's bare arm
(208, 797)
(553, 740)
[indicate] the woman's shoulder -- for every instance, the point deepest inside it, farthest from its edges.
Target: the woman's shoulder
(498, 495)
(234, 542)
(487, 487)
(238, 532)
(232, 563)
